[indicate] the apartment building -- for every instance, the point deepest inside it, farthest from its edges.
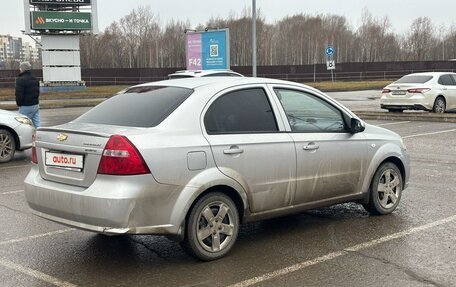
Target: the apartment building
(14, 50)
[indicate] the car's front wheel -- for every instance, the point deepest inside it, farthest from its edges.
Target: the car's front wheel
(385, 190)
(212, 227)
(439, 106)
(7, 146)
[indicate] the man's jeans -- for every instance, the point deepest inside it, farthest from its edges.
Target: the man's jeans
(32, 112)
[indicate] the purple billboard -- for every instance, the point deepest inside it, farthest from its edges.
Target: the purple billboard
(194, 51)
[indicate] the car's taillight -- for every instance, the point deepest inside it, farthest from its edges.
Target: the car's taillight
(418, 90)
(386, 91)
(120, 157)
(34, 157)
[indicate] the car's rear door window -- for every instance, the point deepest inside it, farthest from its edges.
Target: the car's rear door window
(242, 111)
(454, 77)
(307, 113)
(446, 80)
(143, 107)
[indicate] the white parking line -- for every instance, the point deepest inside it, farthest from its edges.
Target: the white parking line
(35, 274)
(11, 192)
(11, 241)
(343, 252)
(428, 134)
(395, 123)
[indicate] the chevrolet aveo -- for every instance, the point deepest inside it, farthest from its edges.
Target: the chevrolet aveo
(192, 159)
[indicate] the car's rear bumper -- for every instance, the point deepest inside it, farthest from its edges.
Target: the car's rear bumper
(414, 102)
(404, 107)
(111, 205)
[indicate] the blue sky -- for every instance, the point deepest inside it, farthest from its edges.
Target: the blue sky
(400, 12)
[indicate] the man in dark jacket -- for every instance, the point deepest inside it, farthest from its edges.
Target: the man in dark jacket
(27, 94)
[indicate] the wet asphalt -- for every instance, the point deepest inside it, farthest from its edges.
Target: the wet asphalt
(340, 245)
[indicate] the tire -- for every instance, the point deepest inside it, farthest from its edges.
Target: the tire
(439, 105)
(218, 228)
(7, 146)
(395, 110)
(385, 190)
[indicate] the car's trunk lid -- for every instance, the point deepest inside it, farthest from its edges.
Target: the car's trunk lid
(400, 90)
(71, 153)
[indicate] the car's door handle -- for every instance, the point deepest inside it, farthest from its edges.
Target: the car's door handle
(233, 150)
(311, 146)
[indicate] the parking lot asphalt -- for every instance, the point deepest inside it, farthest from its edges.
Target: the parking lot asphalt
(337, 246)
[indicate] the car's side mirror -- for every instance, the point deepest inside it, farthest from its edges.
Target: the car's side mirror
(356, 126)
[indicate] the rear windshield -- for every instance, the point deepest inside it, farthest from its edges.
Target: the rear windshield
(145, 107)
(414, 80)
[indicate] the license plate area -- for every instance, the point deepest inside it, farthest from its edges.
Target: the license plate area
(399, 93)
(67, 161)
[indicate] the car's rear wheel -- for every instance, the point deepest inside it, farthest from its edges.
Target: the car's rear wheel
(395, 110)
(439, 106)
(7, 146)
(385, 190)
(212, 227)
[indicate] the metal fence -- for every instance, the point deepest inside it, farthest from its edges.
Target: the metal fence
(303, 74)
(295, 77)
(349, 76)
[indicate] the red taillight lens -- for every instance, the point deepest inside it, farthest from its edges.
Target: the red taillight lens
(34, 157)
(386, 91)
(418, 90)
(120, 157)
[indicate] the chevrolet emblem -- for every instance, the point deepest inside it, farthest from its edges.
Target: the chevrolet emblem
(62, 137)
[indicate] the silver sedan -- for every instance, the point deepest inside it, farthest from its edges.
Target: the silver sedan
(15, 134)
(192, 159)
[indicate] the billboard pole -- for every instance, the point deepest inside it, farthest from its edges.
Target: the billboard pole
(254, 48)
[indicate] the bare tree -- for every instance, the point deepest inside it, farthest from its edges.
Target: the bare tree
(420, 40)
(139, 40)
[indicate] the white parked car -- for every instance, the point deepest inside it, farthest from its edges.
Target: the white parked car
(434, 91)
(16, 132)
(205, 73)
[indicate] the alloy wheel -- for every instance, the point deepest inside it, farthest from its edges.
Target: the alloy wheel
(389, 188)
(215, 226)
(439, 106)
(6, 146)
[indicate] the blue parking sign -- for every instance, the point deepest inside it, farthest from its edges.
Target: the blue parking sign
(329, 51)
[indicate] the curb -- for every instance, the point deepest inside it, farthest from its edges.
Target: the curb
(44, 97)
(55, 104)
(425, 117)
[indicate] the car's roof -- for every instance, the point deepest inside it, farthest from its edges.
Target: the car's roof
(430, 74)
(195, 83)
(202, 73)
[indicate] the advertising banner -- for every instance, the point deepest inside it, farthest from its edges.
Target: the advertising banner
(61, 2)
(45, 20)
(208, 50)
(194, 52)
